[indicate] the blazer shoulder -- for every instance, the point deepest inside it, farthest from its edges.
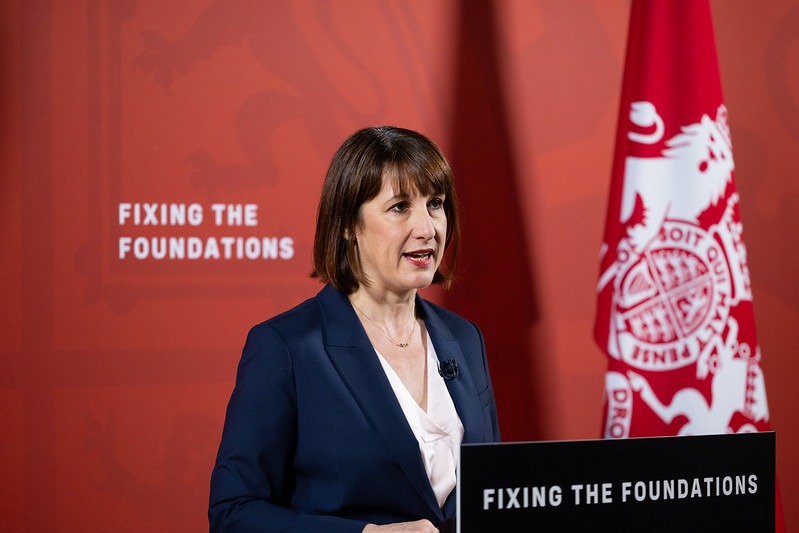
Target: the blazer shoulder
(297, 313)
(322, 314)
(457, 324)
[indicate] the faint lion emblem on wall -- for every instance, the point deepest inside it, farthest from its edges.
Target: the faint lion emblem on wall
(691, 176)
(305, 90)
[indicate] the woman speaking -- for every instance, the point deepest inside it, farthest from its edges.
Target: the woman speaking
(349, 409)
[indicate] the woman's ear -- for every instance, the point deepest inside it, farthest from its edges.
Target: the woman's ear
(350, 236)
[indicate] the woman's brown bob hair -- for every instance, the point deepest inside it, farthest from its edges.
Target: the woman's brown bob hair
(355, 176)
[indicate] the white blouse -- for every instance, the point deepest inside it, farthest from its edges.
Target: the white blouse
(439, 431)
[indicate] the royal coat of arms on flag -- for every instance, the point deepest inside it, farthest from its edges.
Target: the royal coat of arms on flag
(674, 312)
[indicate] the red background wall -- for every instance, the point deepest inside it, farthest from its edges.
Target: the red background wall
(116, 372)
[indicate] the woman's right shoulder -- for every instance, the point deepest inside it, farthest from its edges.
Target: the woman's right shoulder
(290, 324)
(285, 318)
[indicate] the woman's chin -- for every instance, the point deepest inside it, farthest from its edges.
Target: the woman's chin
(421, 281)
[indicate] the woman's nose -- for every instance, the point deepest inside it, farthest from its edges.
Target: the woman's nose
(423, 226)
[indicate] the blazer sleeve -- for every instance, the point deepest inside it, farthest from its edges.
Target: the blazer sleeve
(252, 481)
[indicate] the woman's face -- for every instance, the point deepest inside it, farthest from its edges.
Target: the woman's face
(401, 239)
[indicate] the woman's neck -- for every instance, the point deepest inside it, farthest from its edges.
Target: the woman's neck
(389, 310)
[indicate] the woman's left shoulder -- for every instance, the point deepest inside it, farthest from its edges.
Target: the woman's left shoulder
(453, 321)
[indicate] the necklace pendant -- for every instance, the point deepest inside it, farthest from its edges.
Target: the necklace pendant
(402, 344)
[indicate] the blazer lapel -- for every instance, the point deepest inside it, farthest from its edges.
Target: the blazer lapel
(354, 358)
(461, 387)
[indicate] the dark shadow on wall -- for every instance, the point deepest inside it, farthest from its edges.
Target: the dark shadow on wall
(495, 286)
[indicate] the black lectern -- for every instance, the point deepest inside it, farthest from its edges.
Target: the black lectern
(696, 483)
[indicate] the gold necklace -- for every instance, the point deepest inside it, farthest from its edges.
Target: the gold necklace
(386, 335)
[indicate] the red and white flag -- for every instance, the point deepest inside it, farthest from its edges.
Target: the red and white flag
(674, 299)
(674, 311)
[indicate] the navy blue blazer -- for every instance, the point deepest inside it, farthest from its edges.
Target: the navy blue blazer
(314, 437)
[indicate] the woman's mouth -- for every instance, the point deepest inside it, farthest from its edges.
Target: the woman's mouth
(420, 258)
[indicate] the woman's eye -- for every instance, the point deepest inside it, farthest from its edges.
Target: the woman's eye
(436, 203)
(400, 207)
